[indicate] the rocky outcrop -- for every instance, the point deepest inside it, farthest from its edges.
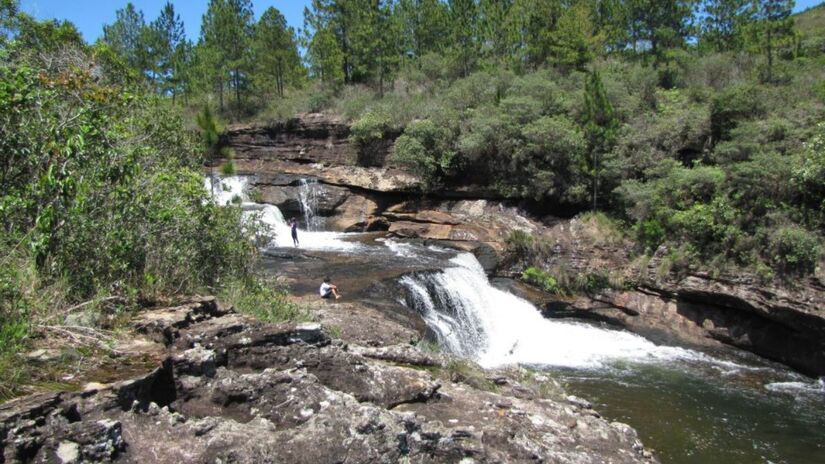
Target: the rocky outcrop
(781, 323)
(785, 324)
(232, 389)
(309, 139)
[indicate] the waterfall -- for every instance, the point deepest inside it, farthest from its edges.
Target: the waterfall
(227, 191)
(232, 191)
(308, 196)
(471, 318)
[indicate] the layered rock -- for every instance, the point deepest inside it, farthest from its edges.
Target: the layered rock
(235, 390)
(780, 323)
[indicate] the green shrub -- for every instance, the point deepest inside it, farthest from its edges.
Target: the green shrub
(794, 250)
(368, 133)
(733, 105)
(265, 299)
(519, 241)
(542, 279)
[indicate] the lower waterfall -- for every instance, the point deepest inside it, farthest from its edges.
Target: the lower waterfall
(471, 318)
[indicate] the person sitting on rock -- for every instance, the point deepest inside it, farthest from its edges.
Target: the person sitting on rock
(328, 290)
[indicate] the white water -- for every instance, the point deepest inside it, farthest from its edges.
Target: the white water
(308, 196)
(226, 191)
(232, 190)
(471, 318)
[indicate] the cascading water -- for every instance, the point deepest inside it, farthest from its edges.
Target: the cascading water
(691, 406)
(232, 190)
(308, 196)
(226, 191)
(471, 318)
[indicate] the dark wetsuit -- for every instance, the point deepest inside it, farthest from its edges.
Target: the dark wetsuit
(295, 232)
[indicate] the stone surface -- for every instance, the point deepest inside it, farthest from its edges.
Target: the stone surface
(236, 390)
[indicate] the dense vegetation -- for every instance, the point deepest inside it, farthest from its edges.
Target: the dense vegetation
(695, 123)
(103, 207)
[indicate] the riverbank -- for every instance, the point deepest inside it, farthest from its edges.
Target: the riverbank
(229, 387)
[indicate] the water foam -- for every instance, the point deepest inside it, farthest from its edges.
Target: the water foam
(226, 191)
(232, 190)
(471, 318)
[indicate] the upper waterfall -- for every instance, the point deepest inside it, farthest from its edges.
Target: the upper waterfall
(234, 190)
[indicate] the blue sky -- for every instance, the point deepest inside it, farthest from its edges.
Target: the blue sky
(90, 15)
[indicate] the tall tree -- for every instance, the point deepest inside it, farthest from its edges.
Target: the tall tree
(534, 24)
(722, 23)
(771, 26)
(463, 16)
(577, 41)
(334, 19)
(126, 36)
(423, 26)
(659, 25)
(365, 33)
(167, 37)
(495, 30)
(182, 80)
(326, 60)
(384, 43)
(276, 51)
(600, 126)
(226, 32)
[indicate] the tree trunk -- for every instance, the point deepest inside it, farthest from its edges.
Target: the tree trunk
(220, 93)
(237, 79)
(770, 54)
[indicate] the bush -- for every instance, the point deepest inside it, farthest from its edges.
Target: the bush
(368, 135)
(736, 103)
(265, 299)
(542, 279)
(794, 250)
(426, 150)
(519, 242)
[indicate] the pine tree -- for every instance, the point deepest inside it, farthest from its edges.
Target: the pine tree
(659, 25)
(423, 26)
(276, 51)
(463, 16)
(226, 32)
(723, 22)
(126, 36)
(600, 126)
(168, 36)
(771, 25)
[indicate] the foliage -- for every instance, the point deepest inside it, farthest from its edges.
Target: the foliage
(266, 299)
(102, 197)
(426, 149)
(542, 279)
(368, 133)
(519, 241)
(795, 250)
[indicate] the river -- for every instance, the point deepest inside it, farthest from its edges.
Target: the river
(690, 406)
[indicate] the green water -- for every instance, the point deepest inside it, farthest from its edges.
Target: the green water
(700, 413)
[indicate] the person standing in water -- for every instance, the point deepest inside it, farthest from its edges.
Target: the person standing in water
(293, 224)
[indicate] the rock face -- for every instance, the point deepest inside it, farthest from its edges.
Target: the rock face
(787, 325)
(235, 390)
(779, 323)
